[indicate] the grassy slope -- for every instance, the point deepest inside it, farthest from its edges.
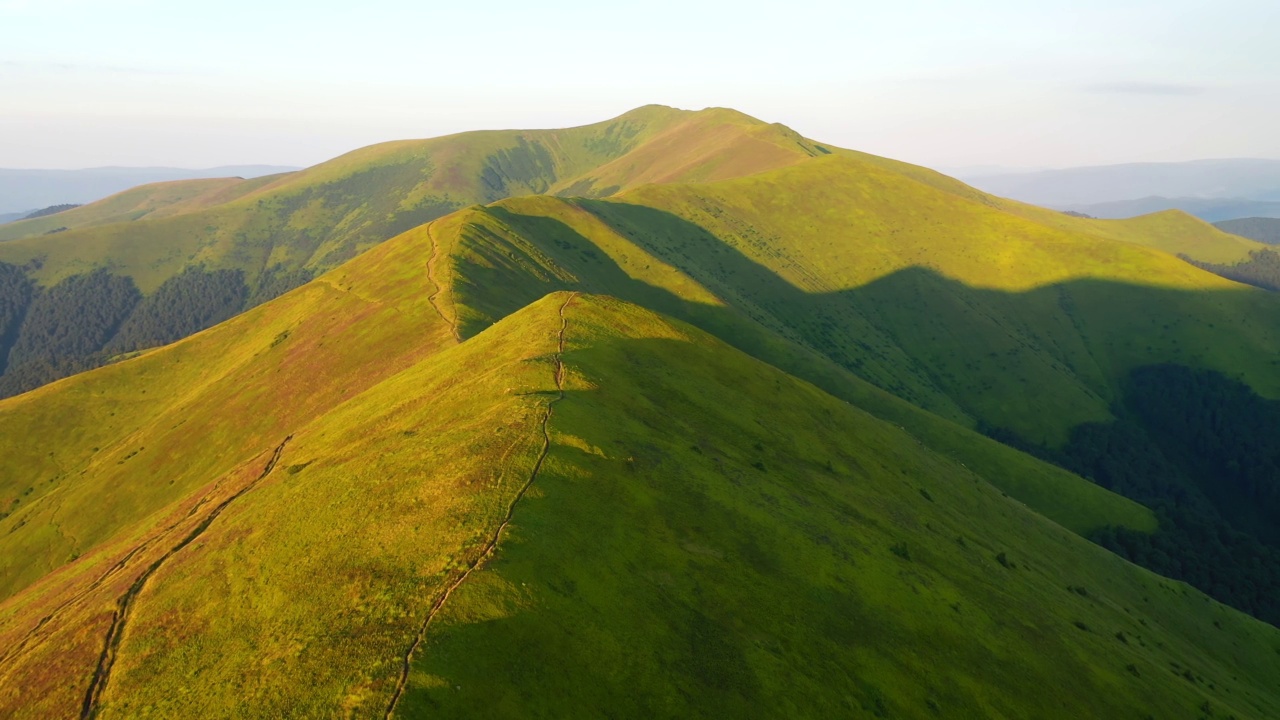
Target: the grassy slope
(145, 201)
(808, 290)
(1178, 233)
(500, 258)
(203, 397)
(840, 292)
(965, 310)
(369, 509)
(132, 438)
(658, 570)
(714, 144)
(147, 446)
(1172, 231)
(707, 536)
(324, 215)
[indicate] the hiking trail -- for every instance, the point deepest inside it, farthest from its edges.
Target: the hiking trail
(490, 546)
(102, 675)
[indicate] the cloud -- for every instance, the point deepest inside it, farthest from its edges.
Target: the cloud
(1138, 87)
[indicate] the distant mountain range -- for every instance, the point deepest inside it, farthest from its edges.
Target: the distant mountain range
(1209, 189)
(1208, 209)
(22, 191)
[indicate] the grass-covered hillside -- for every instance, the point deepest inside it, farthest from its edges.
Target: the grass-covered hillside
(675, 415)
(152, 201)
(589, 509)
(975, 314)
(850, 274)
(324, 215)
(1171, 231)
(185, 414)
(228, 245)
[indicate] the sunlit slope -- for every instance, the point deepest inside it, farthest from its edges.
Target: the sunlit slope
(89, 457)
(310, 573)
(1178, 233)
(1172, 231)
(714, 144)
(976, 314)
(192, 410)
(153, 200)
(494, 260)
(696, 534)
(322, 216)
(955, 305)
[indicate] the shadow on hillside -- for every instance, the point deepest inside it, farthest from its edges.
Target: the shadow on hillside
(712, 503)
(1038, 367)
(708, 501)
(1036, 362)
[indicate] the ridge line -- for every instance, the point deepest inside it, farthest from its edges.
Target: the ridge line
(492, 545)
(436, 287)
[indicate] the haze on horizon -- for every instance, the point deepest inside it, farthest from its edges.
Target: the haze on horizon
(994, 83)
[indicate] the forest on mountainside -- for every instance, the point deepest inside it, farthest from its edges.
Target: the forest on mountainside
(1201, 450)
(51, 210)
(184, 304)
(276, 281)
(65, 328)
(86, 320)
(1262, 269)
(74, 318)
(16, 290)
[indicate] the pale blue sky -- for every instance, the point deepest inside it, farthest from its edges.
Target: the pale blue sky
(986, 82)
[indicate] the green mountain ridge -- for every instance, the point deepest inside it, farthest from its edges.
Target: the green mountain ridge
(875, 297)
(274, 233)
(840, 519)
(371, 194)
(279, 231)
(709, 444)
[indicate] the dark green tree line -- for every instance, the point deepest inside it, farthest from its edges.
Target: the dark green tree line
(65, 329)
(1262, 269)
(186, 303)
(1202, 451)
(15, 296)
(74, 318)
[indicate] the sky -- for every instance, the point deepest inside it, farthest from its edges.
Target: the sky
(952, 85)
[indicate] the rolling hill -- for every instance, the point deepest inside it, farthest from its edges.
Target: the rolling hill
(241, 242)
(872, 270)
(679, 414)
(1263, 230)
(228, 245)
(1208, 209)
(671, 525)
(323, 215)
(27, 190)
(151, 201)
